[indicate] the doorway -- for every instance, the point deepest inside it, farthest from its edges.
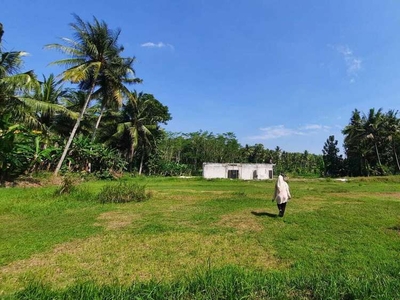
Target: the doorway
(233, 174)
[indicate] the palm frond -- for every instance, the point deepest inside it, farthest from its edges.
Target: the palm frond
(41, 106)
(23, 82)
(68, 62)
(65, 49)
(82, 72)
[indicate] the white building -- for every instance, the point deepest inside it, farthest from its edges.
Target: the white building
(238, 171)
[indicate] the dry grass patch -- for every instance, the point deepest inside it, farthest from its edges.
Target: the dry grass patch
(307, 204)
(192, 191)
(371, 195)
(29, 182)
(113, 220)
(240, 221)
(393, 196)
(128, 257)
(175, 197)
(11, 220)
(184, 196)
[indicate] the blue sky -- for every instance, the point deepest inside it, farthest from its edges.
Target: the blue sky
(276, 72)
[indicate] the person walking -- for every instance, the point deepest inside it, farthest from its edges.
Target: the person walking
(282, 194)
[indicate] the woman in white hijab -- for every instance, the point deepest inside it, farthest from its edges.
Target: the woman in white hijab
(282, 194)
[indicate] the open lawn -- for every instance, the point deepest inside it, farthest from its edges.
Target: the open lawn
(203, 239)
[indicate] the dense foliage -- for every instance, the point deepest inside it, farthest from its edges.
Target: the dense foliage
(371, 143)
(334, 165)
(97, 125)
(185, 153)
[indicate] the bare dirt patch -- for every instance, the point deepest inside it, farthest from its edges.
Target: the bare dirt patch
(30, 182)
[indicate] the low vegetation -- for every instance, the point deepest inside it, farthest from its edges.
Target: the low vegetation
(202, 239)
(123, 192)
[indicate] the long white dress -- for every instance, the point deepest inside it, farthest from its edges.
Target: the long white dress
(282, 193)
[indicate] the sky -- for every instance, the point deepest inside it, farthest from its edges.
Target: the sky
(284, 73)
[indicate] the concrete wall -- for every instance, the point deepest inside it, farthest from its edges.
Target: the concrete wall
(242, 171)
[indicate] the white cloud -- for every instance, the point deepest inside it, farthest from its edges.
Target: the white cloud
(353, 63)
(315, 127)
(278, 131)
(312, 126)
(156, 45)
(274, 132)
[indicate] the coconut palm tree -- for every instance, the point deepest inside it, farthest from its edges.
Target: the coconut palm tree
(13, 84)
(363, 137)
(139, 125)
(75, 101)
(356, 147)
(392, 131)
(53, 95)
(373, 130)
(20, 93)
(90, 56)
(112, 90)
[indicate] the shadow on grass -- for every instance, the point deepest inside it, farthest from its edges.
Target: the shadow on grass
(262, 214)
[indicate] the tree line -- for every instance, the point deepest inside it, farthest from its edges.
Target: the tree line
(97, 124)
(370, 143)
(87, 120)
(185, 153)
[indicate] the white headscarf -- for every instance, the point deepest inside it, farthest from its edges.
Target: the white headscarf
(280, 183)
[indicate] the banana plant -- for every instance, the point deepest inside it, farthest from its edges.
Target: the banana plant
(14, 150)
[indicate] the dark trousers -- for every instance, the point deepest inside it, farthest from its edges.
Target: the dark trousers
(281, 208)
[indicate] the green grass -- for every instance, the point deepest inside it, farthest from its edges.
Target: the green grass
(203, 239)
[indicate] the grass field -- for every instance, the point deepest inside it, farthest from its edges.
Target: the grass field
(203, 239)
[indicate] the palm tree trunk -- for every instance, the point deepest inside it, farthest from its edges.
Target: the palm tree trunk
(395, 155)
(367, 167)
(377, 155)
(132, 152)
(141, 164)
(73, 132)
(97, 123)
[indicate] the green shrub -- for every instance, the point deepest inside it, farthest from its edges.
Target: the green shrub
(68, 185)
(123, 192)
(82, 193)
(15, 149)
(104, 175)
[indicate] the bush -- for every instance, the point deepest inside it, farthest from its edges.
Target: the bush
(15, 150)
(68, 185)
(123, 192)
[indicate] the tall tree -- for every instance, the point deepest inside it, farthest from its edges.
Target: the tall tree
(332, 160)
(391, 126)
(140, 120)
(22, 96)
(373, 129)
(14, 85)
(356, 148)
(91, 54)
(112, 90)
(53, 95)
(74, 101)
